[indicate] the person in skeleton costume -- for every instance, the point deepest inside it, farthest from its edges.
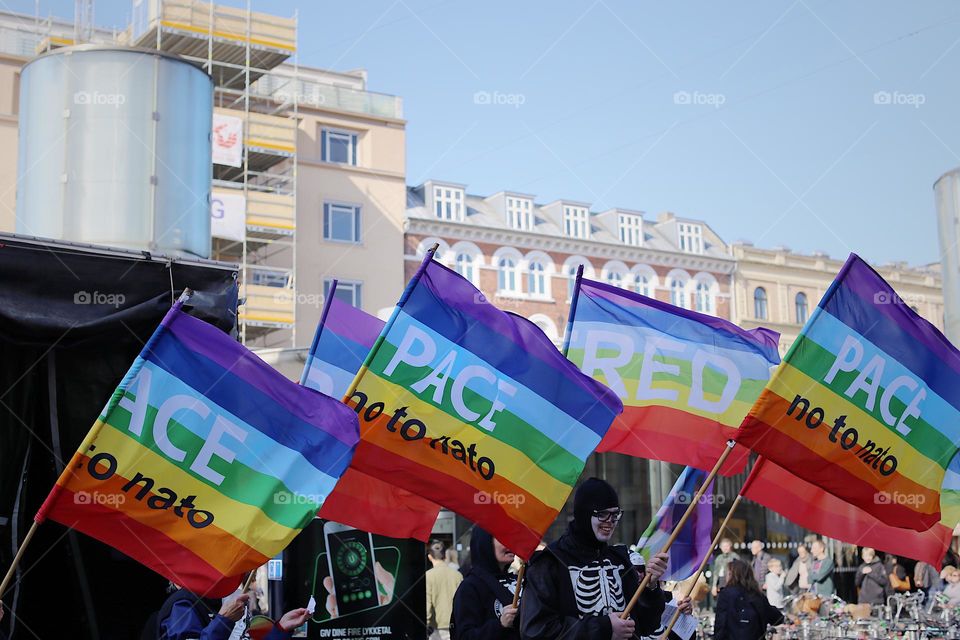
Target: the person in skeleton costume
(577, 587)
(483, 605)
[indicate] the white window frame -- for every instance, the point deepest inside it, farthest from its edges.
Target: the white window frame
(355, 287)
(678, 286)
(520, 213)
(353, 144)
(576, 222)
(448, 203)
(538, 277)
(631, 230)
(703, 293)
(328, 206)
(690, 237)
(470, 271)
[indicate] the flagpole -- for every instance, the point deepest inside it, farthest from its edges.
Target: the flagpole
(573, 310)
(427, 259)
(683, 520)
(714, 543)
(516, 592)
(17, 558)
(316, 335)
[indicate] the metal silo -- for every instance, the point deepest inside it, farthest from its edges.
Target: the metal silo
(115, 149)
(947, 193)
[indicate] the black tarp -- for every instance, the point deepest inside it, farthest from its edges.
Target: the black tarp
(72, 319)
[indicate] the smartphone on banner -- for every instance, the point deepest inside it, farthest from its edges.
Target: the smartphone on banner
(350, 559)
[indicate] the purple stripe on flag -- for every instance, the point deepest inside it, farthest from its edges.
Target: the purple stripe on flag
(352, 323)
(863, 281)
(206, 340)
(761, 337)
(466, 300)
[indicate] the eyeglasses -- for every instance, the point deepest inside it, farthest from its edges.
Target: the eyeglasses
(608, 516)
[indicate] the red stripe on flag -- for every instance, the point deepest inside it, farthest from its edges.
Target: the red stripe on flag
(671, 435)
(777, 445)
(463, 498)
(813, 508)
(144, 544)
(370, 504)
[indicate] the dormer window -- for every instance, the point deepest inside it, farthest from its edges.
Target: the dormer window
(576, 222)
(448, 203)
(691, 237)
(520, 213)
(631, 230)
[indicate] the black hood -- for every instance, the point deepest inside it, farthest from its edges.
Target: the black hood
(482, 556)
(594, 494)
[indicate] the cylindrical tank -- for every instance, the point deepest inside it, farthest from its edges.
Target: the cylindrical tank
(115, 149)
(947, 193)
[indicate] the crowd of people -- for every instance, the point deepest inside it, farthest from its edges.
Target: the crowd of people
(812, 572)
(579, 586)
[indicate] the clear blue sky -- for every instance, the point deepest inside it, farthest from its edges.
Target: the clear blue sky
(799, 153)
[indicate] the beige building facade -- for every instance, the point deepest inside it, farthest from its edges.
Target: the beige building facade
(779, 289)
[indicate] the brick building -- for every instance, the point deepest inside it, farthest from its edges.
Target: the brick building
(523, 255)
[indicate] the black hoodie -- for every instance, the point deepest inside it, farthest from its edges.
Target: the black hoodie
(482, 595)
(573, 585)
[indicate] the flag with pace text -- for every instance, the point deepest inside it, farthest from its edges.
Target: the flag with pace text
(205, 462)
(686, 379)
(475, 409)
(866, 404)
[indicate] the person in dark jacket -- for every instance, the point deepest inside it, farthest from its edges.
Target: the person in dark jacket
(873, 585)
(483, 605)
(743, 612)
(577, 587)
(187, 616)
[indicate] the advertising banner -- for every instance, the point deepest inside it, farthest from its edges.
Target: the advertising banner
(364, 585)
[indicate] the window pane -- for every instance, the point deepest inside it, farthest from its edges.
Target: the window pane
(339, 148)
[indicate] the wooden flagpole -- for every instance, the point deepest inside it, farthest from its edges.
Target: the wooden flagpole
(516, 592)
(16, 559)
(683, 520)
(714, 543)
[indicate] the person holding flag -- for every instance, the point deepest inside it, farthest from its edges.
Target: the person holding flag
(577, 587)
(483, 606)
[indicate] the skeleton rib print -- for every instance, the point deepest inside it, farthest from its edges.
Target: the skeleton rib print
(598, 589)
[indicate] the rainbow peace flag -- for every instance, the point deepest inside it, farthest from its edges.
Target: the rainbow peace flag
(343, 339)
(686, 379)
(205, 462)
(475, 409)
(693, 543)
(866, 404)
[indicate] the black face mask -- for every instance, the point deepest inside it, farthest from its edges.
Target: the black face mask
(593, 495)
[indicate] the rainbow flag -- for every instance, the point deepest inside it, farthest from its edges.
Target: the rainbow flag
(686, 379)
(866, 404)
(205, 462)
(343, 339)
(475, 409)
(693, 543)
(813, 508)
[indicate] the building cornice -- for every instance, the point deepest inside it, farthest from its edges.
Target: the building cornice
(573, 246)
(350, 168)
